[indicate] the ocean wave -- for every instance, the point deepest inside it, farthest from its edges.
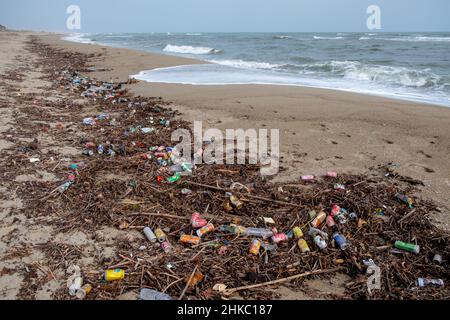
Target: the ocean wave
(79, 38)
(214, 74)
(193, 34)
(400, 76)
(246, 64)
(282, 37)
(327, 38)
(190, 49)
(418, 39)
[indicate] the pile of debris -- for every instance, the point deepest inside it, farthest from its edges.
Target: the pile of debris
(214, 231)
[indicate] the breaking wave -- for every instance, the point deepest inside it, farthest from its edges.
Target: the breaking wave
(246, 64)
(190, 49)
(327, 38)
(354, 70)
(79, 38)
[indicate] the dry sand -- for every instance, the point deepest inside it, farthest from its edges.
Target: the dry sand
(320, 129)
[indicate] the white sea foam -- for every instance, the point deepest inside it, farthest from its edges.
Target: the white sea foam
(213, 74)
(327, 38)
(193, 34)
(246, 64)
(190, 49)
(79, 38)
(418, 39)
(398, 76)
(282, 37)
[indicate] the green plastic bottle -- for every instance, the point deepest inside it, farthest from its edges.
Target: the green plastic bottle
(174, 178)
(407, 246)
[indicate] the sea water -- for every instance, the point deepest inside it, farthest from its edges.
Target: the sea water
(410, 66)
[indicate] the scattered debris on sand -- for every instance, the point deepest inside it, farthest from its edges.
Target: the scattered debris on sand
(205, 231)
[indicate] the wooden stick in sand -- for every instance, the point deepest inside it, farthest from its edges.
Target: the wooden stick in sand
(247, 195)
(188, 283)
(301, 275)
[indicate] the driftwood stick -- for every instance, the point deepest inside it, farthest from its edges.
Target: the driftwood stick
(407, 215)
(301, 275)
(159, 215)
(206, 215)
(188, 282)
(246, 195)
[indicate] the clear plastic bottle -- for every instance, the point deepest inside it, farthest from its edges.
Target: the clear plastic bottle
(258, 232)
(149, 294)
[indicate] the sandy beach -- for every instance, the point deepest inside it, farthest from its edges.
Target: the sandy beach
(320, 130)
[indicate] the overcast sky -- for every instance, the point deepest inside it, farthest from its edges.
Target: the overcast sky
(101, 16)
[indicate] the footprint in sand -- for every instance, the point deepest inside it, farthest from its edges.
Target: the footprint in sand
(424, 154)
(421, 167)
(388, 141)
(329, 141)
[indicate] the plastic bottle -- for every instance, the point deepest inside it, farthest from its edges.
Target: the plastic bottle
(314, 232)
(65, 186)
(149, 294)
(176, 168)
(424, 282)
(407, 246)
(174, 178)
(116, 274)
(258, 232)
(234, 229)
(76, 285)
(320, 243)
(186, 191)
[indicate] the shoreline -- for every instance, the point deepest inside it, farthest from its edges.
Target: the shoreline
(197, 61)
(320, 129)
